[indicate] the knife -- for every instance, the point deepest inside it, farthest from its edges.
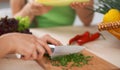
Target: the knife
(65, 50)
(61, 50)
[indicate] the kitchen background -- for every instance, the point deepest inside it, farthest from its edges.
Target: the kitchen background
(6, 10)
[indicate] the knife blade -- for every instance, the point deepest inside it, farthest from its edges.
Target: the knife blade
(65, 50)
(61, 50)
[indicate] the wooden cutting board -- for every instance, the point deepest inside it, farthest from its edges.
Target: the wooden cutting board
(96, 63)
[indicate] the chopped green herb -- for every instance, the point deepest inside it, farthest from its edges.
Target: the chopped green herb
(77, 59)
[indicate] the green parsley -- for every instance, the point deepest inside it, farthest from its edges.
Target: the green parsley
(77, 59)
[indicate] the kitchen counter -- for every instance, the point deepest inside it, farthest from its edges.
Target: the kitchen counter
(108, 49)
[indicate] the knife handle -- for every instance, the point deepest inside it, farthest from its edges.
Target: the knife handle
(52, 47)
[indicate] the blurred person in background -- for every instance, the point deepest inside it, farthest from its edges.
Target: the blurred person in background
(47, 16)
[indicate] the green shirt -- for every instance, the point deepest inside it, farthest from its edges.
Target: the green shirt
(58, 16)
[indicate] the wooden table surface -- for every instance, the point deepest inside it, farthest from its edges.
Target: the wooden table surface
(107, 50)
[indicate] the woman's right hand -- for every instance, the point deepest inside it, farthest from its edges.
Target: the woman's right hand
(24, 44)
(33, 8)
(27, 45)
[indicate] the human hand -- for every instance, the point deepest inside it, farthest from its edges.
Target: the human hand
(24, 44)
(47, 39)
(78, 5)
(27, 45)
(35, 9)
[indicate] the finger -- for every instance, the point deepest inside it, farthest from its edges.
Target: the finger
(37, 12)
(45, 46)
(79, 5)
(49, 7)
(76, 5)
(25, 56)
(44, 10)
(73, 5)
(52, 40)
(40, 51)
(27, 52)
(34, 54)
(85, 4)
(37, 50)
(37, 5)
(40, 11)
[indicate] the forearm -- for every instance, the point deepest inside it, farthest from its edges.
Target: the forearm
(4, 50)
(19, 8)
(23, 13)
(85, 15)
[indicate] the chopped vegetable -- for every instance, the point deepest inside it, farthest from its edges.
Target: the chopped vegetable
(74, 39)
(85, 37)
(95, 36)
(77, 59)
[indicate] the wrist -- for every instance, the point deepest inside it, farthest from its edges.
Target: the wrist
(3, 49)
(6, 45)
(23, 13)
